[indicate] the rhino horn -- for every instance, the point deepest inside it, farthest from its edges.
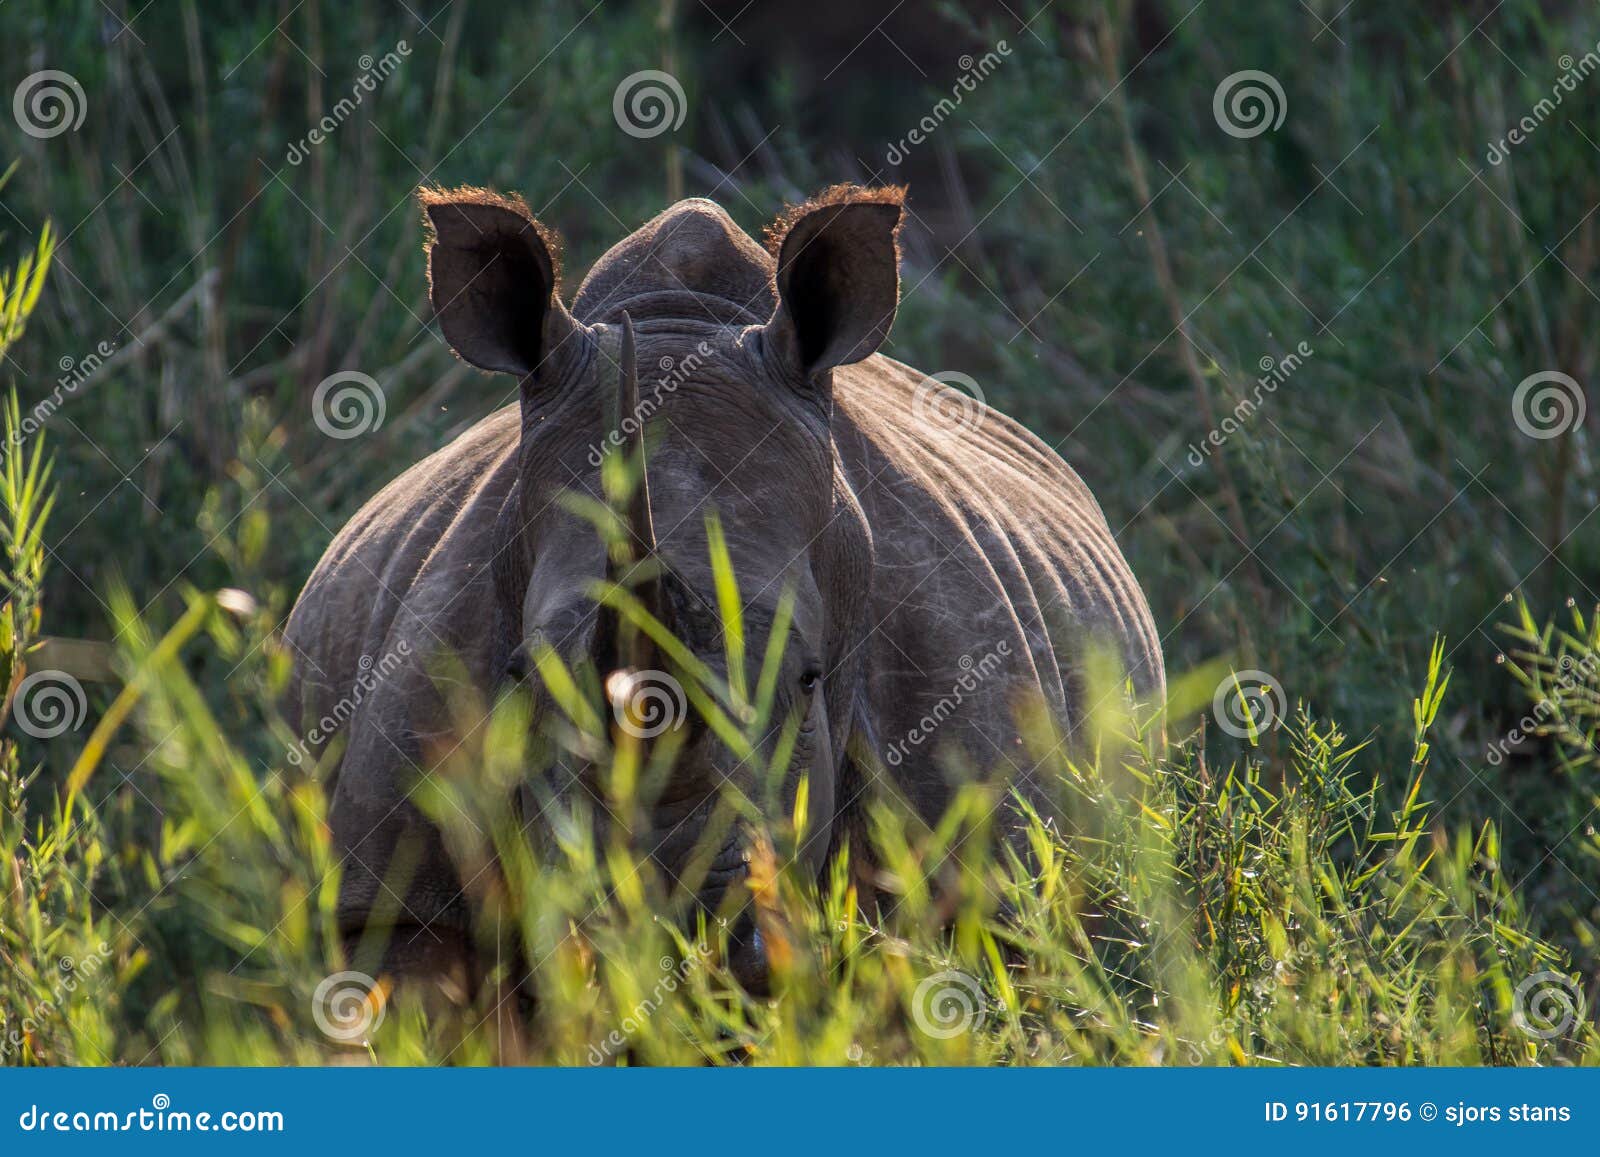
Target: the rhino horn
(636, 566)
(641, 526)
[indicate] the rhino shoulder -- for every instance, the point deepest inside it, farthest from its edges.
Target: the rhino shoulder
(909, 414)
(402, 565)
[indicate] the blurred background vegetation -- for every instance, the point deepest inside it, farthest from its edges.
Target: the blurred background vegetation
(1086, 242)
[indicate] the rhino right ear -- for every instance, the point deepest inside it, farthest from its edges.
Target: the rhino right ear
(837, 276)
(493, 277)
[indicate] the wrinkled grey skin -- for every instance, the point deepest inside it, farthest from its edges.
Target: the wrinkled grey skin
(944, 571)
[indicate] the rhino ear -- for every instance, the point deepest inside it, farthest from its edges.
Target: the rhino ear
(838, 277)
(492, 277)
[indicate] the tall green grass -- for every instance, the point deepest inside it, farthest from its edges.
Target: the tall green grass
(1172, 912)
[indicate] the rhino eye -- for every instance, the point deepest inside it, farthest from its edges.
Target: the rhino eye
(517, 667)
(808, 679)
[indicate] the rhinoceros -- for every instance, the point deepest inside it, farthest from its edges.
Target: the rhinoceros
(944, 567)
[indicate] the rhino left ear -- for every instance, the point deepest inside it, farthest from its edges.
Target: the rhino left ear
(838, 277)
(492, 277)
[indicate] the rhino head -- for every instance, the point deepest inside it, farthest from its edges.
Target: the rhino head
(721, 357)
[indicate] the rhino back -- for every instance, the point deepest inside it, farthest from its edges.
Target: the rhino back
(994, 574)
